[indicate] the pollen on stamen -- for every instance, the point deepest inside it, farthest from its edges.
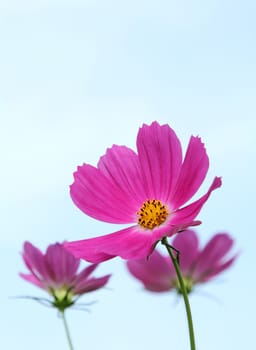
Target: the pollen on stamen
(152, 213)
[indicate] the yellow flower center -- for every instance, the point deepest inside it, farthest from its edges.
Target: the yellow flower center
(63, 293)
(153, 213)
(188, 283)
(63, 297)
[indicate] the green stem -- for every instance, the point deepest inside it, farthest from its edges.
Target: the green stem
(164, 241)
(67, 330)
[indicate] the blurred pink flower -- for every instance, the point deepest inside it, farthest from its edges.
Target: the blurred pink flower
(147, 189)
(197, 265)
(56, 271)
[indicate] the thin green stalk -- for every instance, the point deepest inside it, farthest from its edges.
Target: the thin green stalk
(67, 330)
(175, 262)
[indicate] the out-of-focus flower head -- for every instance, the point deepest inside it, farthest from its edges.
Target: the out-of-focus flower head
(198, 265)
(56, 271)
(147, 189)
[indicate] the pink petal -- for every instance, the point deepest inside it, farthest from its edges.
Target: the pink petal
(97, 196)
(213, 255)
(91, 284)
(192, 174)
(61, 265)
(81, 249)
(34, 260)
(188, 245)
(32, 279)
(121, 166)
(85, 273)
(160, 157)
(189, 213)
(216, 270)
(156, 272)
(129, 243)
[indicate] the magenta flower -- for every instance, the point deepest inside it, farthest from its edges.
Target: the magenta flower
(197, 265)
(147, 189)
(56, 271)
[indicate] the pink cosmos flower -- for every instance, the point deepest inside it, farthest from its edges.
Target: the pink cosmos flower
(198, 265)
(56, 271)
(147, 189)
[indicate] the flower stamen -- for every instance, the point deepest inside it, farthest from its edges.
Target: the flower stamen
(153, 213)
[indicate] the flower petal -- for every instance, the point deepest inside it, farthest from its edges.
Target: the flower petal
(85, 273)
(213, 255)
(97, 196)
(91, 284)
(189, 213)
(120, 165)
(61, 265)
(34, 260)
(129, 243)
(32, 279)
(160, 157)
(60, 271)
(156, 272)
(192, 174)
(218, 269)
(188, 245)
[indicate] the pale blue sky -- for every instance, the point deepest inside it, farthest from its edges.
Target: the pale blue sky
(78, 76)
